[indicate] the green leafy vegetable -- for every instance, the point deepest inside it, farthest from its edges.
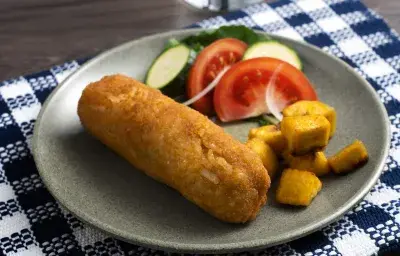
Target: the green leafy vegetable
(171, 43)
(259, 120)
(240, 32)
(200, 40)
(243, 33)
(270, 118)
(263, 120)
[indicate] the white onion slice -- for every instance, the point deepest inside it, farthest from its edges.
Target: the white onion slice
(270, 96)
(208, 88)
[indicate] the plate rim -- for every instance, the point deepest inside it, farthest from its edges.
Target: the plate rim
(253, 245)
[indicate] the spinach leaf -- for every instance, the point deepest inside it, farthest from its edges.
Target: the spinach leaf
(203, 38)
(263, 120)
(171, 43)
(259, 120)
(240, 32)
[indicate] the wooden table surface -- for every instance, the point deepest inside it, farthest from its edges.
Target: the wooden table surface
(36, 34)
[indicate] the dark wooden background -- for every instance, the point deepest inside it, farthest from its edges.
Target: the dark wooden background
(36, 34)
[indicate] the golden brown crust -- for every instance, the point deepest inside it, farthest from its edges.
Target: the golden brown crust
(176, 145)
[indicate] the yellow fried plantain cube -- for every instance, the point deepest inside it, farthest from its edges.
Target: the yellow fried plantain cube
(257, 132)
(349, 158)
(297, 187)
(267, 155)
(305, 134)
(313, 162)
(271, 135)
(306, 107)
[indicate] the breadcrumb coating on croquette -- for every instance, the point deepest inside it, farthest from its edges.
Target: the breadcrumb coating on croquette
(176, 145)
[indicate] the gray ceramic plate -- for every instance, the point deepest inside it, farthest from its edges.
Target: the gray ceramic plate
(104, 190)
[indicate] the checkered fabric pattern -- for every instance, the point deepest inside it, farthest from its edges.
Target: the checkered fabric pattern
(33, 223)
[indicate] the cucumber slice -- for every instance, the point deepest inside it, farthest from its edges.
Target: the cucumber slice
(168, 66)
(273, 49)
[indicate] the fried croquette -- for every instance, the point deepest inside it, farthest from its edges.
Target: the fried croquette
(176, 145)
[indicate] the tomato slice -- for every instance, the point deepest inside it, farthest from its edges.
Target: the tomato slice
(210, 61)
(241, 92)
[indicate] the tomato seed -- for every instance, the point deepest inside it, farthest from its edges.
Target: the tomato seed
(212, 74)
(232, 58)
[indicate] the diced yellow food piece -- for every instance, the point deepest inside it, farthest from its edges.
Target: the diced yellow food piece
(306, 107)
(313, 162)
(267, 155)
(305, 134)
(297, 187)
(271, 135)
(255, 132)
(349, 158)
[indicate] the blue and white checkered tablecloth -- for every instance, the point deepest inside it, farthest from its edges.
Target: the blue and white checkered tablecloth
(32, 223)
